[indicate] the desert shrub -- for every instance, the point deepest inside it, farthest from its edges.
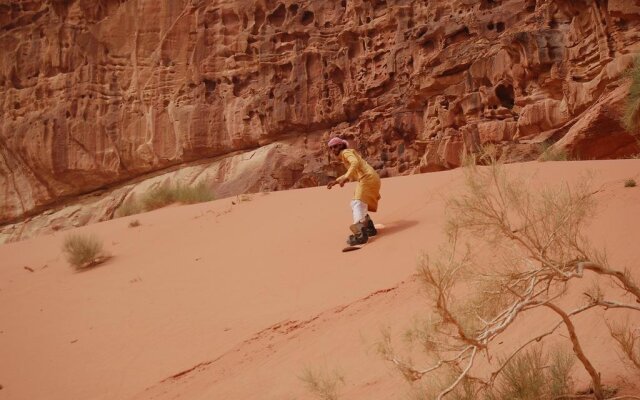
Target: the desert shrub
(134, 224)
(548, 153)
(165, 195)
(129, 207)
(628, 340)
(83, 251)
(631, 114)
(323, 384)
(158, 197)
(534, 375)
(193, 194)
(630, 183)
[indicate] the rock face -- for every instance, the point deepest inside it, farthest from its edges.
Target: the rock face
(96, 92)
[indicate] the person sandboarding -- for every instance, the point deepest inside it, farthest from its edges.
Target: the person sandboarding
(367, 194)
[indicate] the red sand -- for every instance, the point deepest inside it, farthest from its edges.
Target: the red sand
(246, 296)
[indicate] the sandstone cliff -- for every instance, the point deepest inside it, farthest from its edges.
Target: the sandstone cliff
(94, 93)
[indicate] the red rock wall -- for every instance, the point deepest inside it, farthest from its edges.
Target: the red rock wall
(95, 92)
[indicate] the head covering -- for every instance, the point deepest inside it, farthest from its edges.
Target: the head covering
(336, 140)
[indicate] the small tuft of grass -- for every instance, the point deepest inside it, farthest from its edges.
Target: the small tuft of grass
(134, 224)
(83, 251)
(630, 183)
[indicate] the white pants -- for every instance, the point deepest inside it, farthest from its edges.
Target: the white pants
(359, 209)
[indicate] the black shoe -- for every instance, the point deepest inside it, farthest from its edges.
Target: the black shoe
(355, 240)
(369, 227)
(359, 236)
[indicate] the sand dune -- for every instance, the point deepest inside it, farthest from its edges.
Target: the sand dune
(234, 301)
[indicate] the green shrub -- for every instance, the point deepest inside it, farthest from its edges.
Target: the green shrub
(129, 207)
(83, 251)
(164, 195)
(193, 194)
(158, 197)
(547, 153)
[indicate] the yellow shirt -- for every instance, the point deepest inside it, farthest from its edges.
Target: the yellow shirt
(368, 189)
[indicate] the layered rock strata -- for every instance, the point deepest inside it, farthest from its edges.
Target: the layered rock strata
(94, 93)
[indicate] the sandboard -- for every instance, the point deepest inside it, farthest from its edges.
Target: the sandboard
(347, 249)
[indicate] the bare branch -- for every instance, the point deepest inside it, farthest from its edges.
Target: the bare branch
(623, 278)
(577, 349)
(495, 373)
(460, 377)
(414, 374)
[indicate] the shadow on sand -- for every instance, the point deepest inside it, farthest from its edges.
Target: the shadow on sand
(397, 226)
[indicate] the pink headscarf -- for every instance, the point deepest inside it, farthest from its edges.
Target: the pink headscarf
(336, 140)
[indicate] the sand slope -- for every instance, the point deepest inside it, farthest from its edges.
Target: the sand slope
(224, 301)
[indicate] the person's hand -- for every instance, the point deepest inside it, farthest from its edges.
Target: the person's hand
(331, 184)
(341, 181)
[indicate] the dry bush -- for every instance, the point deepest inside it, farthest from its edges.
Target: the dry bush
(158, 197)
(324, 385)
(83, 251)
(129, 207)
(534, 375)
(537, 249)
(199, 193)
(165, 195)
(630, 183)
(549, 153)
(628, 340)
(134, 224)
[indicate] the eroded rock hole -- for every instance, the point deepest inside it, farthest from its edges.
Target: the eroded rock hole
(486, 4)
(286, 70)
(337, 75)
(258, 20)
(500, 26)
(307, 18)
(293, 9)
(428, 45)
(505, 94)
(209, 89)
(278, 16)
